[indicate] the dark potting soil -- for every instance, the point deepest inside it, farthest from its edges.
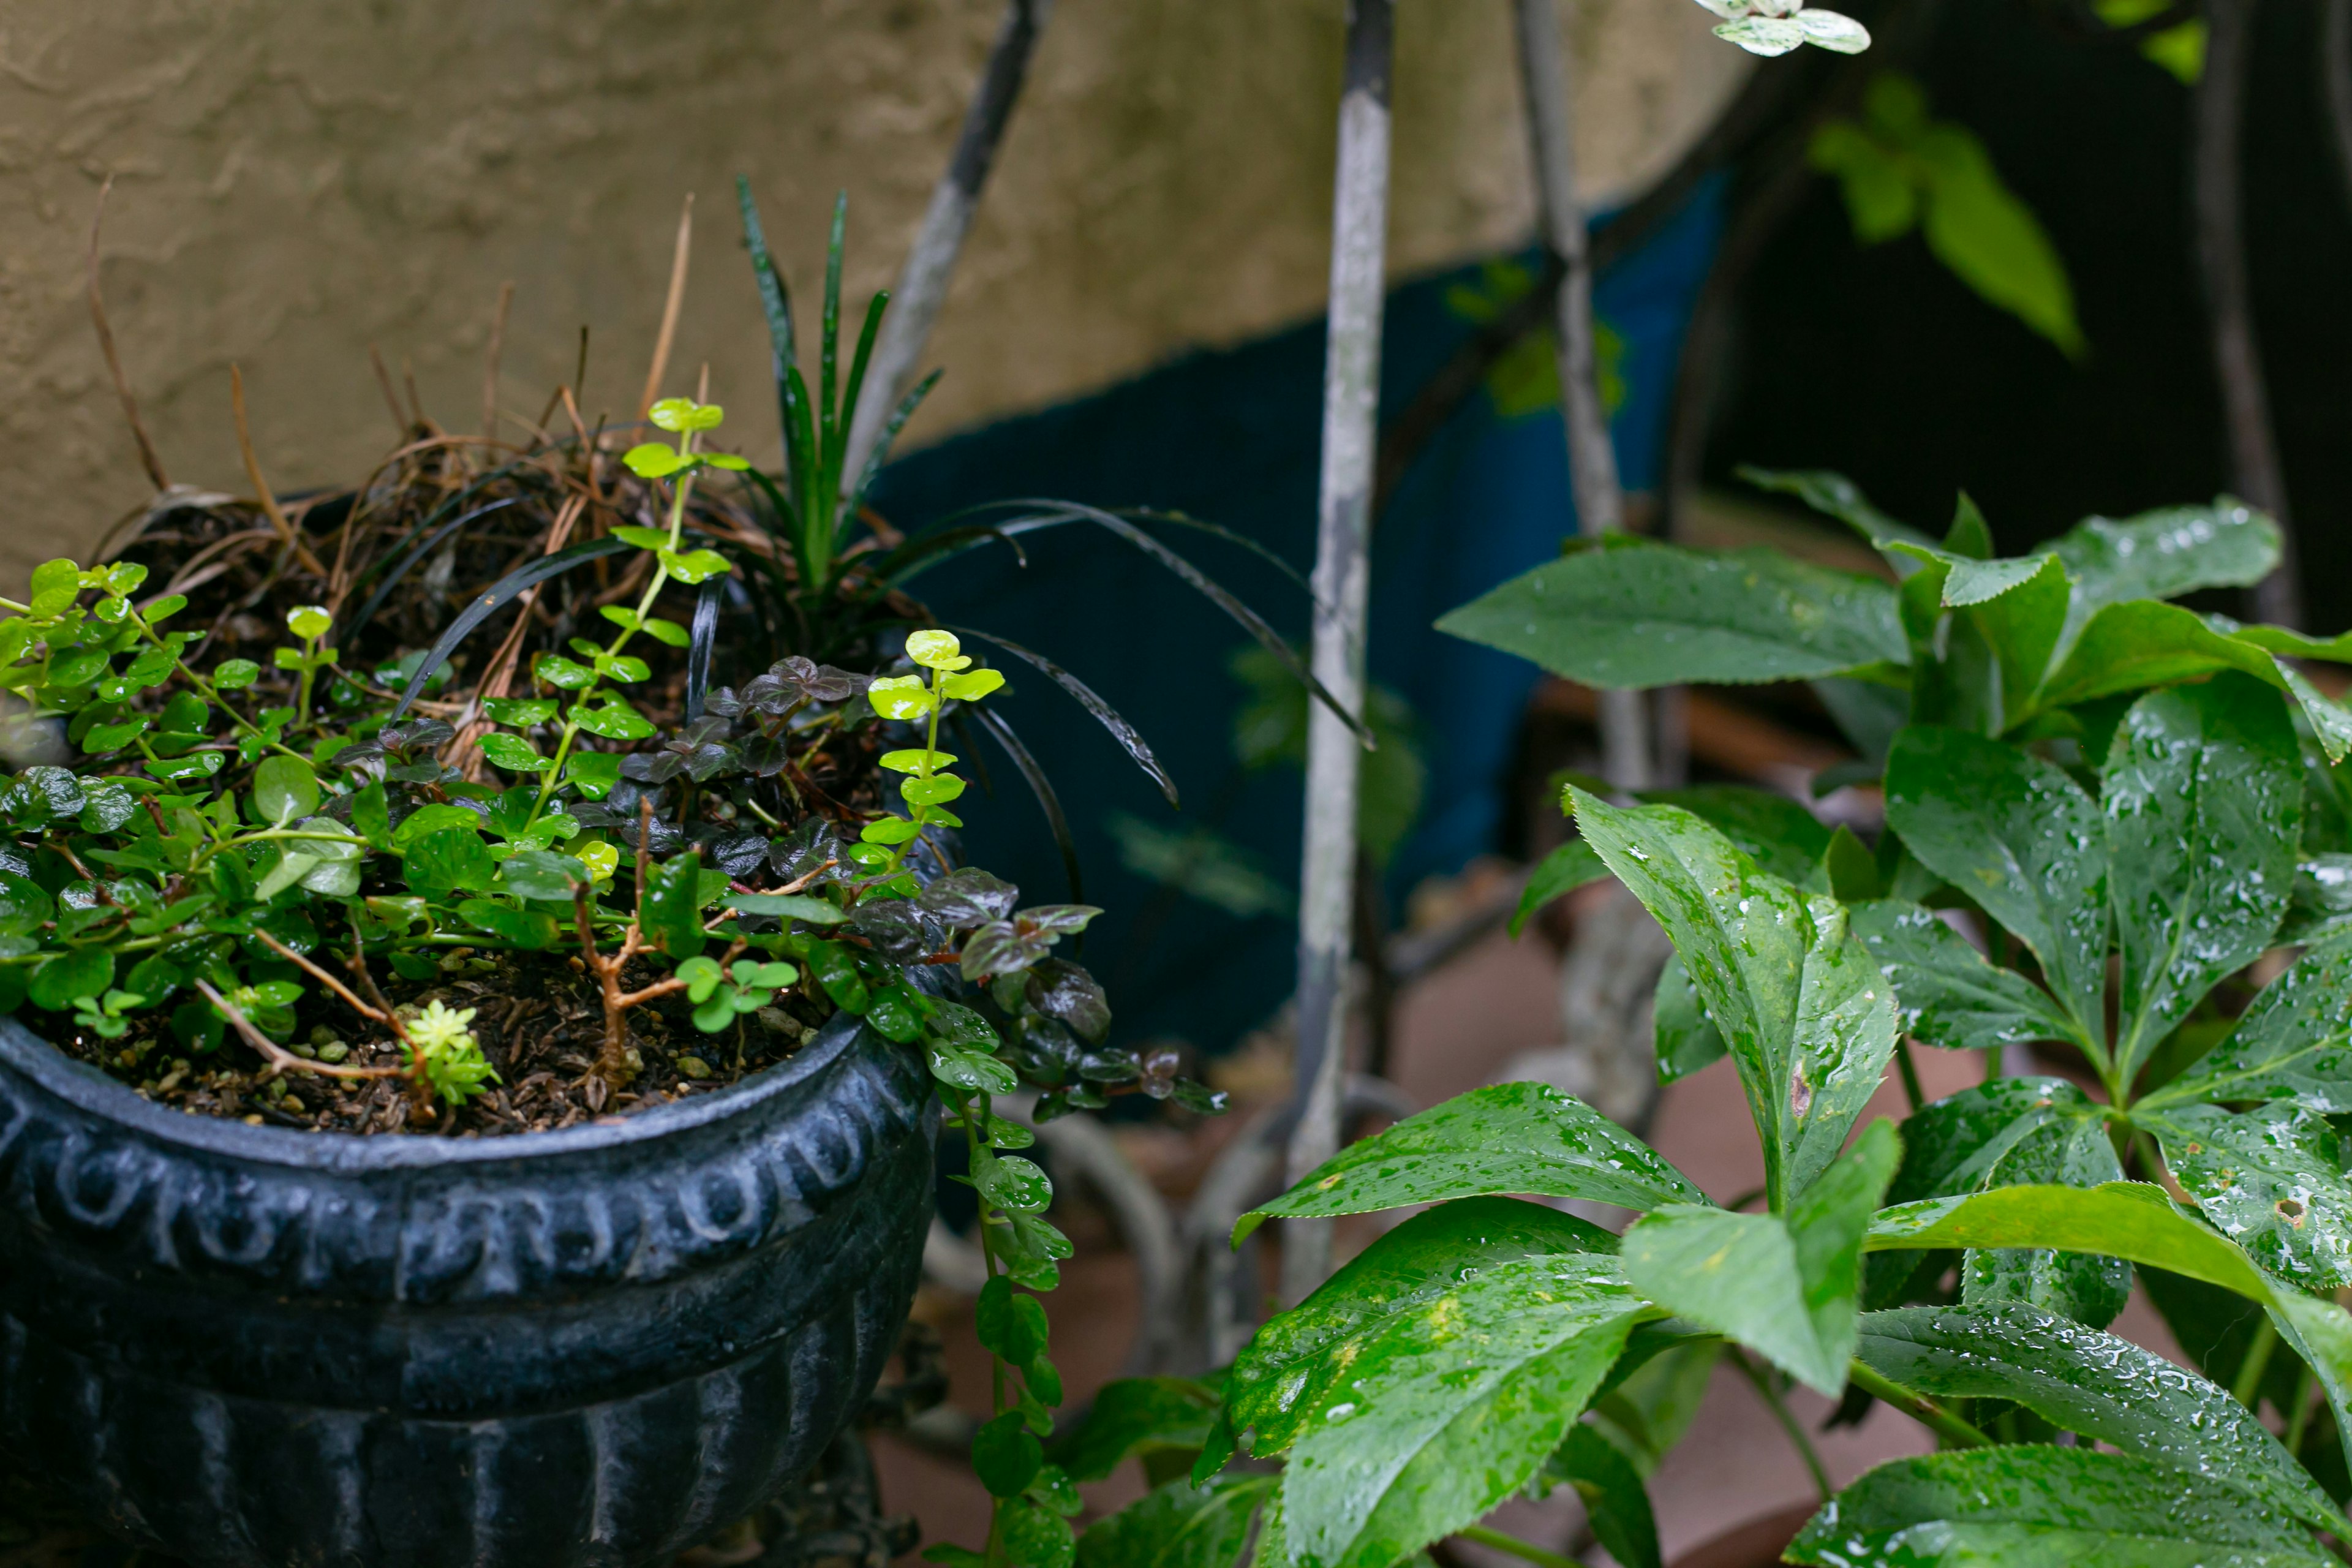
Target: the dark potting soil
(539, 1019)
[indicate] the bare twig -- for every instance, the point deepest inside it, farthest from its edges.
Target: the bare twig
(279, 1059)
(391, 399)
(147, 457)
(275, 514)
(490, 362)
(922, 286)
(364, 1009)
(2215, 180)
(1351, 378)
(670, 307)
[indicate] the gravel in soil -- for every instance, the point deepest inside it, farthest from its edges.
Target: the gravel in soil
(539, 1019)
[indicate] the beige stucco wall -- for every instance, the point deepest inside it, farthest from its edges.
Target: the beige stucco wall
(296, 179)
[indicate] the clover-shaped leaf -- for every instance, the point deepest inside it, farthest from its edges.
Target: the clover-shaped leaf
(1775, 27)
(655, 460)
(683, 414)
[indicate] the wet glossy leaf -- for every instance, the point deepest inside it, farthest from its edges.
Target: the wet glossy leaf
(2294, 1041)
(2018, 836)
(524, 928)
(2268, 1179)
(515, 754)
(1011, 1184)
(2203, 795)
(1136, 1415)
(672, 913)
(24, 905)
(2082, 1379)
(1789, 1288)
(60, 981)
(1571, 866)
(1615, 1504)
(1776, 832)
(283, 789)
(1808, 1018)
(799, 907)
(1179, 1526)
(968, 897)
(1009, 1323)
(1686, 1038)
(1944, 992)
(2134, 645)
(2165, 553)
(1426, 1381)
(612, 718)
(1005, 1454)
(543, 874)
(2030, 1506)
(447, 858)
(1505, 1138)
(1637, 614)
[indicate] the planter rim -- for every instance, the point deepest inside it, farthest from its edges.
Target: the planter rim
(87, 1088)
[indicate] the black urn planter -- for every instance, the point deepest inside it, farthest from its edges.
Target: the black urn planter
(251, 1347)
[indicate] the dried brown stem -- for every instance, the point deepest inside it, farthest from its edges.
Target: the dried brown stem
(391, 399)
(279, 1059)
(275, 514)
(364, 1009)
(670, 307)
(147, 457)
(490, 362)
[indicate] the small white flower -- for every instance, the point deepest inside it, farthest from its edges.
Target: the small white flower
(1776, 26)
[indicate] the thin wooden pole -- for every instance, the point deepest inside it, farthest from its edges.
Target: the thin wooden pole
(1544, 74)
(1351, 381)
(2216, 155)
(923, 280)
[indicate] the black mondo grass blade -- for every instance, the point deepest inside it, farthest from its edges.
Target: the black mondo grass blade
(1218, 531)
(1125, 733)
(701, 642)
(829, 348)
(838, 450)
(1041, 787)
(889, 433)
(918, 556)
(487, 603)
(775, 302)
(1053, 511)
(787, 511)
(395, 573)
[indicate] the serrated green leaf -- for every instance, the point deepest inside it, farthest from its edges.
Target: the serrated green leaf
(2268, 1179)
(1505, 1138)
(2203, 797)
(2135, 1222)
(1615, 1504)
(1571, 866)
(1686, 1038)
(1834, 495)
(2018, 836)
(1789, 1286)
(2033, 1507)
(1426, 1381)
(2083, 1381)
(1179, 1526)
(1132, 1416)
(1776, 832)
(2292, 1042)
(2165, 553)
(2141, 644)
(1642, 614)
(1808, 1018)
(1944, 992)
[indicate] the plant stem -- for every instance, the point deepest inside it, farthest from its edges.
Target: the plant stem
(1525, 1552)
(2248, 1387)
(1955, 1432)
(1911, 1089)
(2302, 1401)
(1762, 1380)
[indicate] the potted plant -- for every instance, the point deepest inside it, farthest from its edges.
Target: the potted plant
(2136, 807)
(492, 1119)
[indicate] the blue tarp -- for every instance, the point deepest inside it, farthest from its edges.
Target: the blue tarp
(1232, 436)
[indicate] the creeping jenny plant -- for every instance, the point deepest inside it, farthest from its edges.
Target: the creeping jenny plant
(2117, 831)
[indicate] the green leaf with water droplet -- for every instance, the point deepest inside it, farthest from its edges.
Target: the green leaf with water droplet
(2034, 1506)
(2268, 1179)
(2292, 1042)
(1505, 1138)
(1686, 1038)
(2082, 1379)
(2203, 796)
(283, 789)
(1427, 1380)
(2018, 836)
(1635, 614)
(1787, 1285)
(2005, 1133)
(1132, 1415)
(1571, 866)
(1944, 992)
(1179, 1526)
(1807, 1015)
